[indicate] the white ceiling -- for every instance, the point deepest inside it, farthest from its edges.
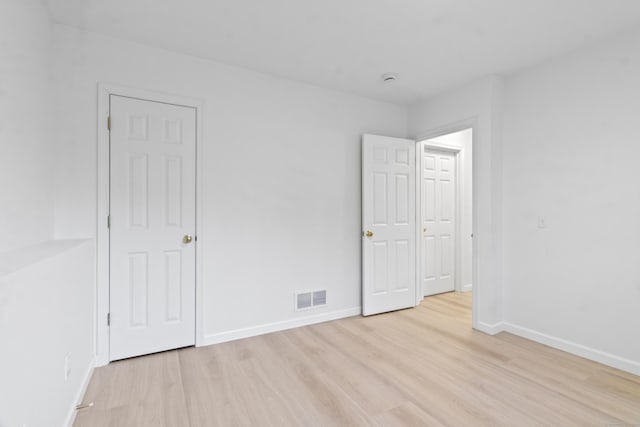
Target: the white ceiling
(432, 45)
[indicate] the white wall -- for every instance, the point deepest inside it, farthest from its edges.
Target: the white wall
(464, 141)
(479, 104)
(26, 148)
(46, 312)
(281, 180)
(571, 150)
(46, 286)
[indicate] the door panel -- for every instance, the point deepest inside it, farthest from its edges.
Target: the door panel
(152, 206)
(402, 265)
(138, 285)
(381, 268)
(438, 221)
(388, 212)
(173, 283)
(402, 199)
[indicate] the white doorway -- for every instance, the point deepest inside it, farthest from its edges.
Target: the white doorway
(151, 226)
(446, 215)
(422, 187)
(438, 220)
(463, 141)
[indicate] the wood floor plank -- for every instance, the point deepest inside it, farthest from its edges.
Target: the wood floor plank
(149, 393)
(407, 414)
(371, 393)
(416, 367)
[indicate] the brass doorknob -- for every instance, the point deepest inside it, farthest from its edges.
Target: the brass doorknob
(369, 233)
(187, 239)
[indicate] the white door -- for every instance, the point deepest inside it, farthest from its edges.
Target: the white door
(388, 220)
(152, 226)
(438, 221)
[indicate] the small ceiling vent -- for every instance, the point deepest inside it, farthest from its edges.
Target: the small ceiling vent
(310, 299)
(389, 77)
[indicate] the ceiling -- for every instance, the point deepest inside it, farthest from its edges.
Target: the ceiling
(432, 45)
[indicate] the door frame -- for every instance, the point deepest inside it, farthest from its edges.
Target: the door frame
(105, 90)
(467, 123)
(421, 145)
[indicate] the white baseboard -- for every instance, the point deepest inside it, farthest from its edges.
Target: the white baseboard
(279, 326)
(101, 360)
(489, 328)
(467, 288)
(80, 394)
(575, 348)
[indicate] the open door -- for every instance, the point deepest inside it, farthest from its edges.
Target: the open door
(388, 221)
(152, 218)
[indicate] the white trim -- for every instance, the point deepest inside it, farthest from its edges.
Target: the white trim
(460, 125)
(105, 90)
(473, 124)
(418, 221)
(434, 145)
(490, 329)
(580, 350)
(80, 395)
(467, 288)
(266, 328)
(574, 348)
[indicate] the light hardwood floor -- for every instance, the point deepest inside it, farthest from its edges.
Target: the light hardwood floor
(416, 367)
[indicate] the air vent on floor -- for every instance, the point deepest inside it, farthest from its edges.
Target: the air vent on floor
(310, 299)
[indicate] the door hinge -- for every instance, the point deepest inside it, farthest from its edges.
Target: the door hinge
(108, 221)
(108, 319)
(109, 122)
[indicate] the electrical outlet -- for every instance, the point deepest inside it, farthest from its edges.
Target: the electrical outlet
(542, 222)
(67, 366)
